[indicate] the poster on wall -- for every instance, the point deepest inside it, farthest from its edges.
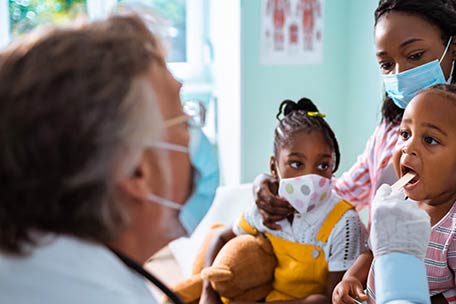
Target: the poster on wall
(291, 32)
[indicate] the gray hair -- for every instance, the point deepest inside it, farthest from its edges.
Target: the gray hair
(76, 111)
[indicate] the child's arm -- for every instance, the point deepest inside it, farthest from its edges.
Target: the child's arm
(217, 243)
(354, 280)
(208, 294)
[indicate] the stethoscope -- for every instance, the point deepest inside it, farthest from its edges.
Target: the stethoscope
(140, 270)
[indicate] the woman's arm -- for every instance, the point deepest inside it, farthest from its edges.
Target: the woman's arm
(356, 184)
(220, 239)
(271, 207)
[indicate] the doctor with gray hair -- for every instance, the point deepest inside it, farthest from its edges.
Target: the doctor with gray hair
(100, 165)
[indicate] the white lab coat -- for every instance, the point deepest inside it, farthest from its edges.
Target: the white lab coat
(69, 270)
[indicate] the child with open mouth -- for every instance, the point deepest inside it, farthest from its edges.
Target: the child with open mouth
(426, 148)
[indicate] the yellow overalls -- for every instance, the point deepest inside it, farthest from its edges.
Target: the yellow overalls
(302, 269)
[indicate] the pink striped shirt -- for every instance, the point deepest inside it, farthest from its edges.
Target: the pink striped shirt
(440, 260)
(373, 168)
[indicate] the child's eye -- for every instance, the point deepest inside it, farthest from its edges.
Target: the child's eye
(430, 140)
(405, 134)
(416, 56)
(323, 166)
(296, 164)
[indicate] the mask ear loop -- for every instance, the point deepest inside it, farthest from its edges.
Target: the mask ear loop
(446, 48)
(452, 63)
(169, 146)
(450, 79)
(164, 202)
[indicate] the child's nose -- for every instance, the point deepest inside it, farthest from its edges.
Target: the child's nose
(409, 147)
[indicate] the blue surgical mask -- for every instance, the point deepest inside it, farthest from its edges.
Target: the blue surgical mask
(402, 87)
(205, 179)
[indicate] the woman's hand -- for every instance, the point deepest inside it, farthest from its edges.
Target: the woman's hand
(347, 290)
(271, 207)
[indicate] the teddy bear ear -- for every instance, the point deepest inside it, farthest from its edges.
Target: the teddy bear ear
(217, 274)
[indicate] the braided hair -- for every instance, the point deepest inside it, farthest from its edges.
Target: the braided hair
(296, 119)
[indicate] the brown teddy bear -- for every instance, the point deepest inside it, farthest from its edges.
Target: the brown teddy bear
(242, 271)
(189, 290)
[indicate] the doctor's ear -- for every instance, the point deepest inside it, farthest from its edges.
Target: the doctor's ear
(134, 186)
(272, 166)
(139, 184)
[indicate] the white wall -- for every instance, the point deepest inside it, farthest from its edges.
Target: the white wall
(4, 23)
(225, 35)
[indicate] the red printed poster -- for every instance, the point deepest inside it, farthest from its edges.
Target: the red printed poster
(291, 32)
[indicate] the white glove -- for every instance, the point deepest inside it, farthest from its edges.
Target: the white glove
(398, 225)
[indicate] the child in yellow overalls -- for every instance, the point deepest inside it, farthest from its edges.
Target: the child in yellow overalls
(323, 234)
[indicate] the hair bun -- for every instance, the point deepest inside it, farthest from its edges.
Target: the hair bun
(451, 4)
(304, 104)
(307, 105)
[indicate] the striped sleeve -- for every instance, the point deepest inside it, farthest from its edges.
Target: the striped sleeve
(355, 184)
(450, 294)
(440, 257)
(359, 184)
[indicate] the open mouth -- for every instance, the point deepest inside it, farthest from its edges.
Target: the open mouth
(405, 170)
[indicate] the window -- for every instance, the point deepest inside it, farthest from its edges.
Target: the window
(185, 37)
(184, 20)
(185, 24)
(190, 56)
(24, 15)
(174, 13)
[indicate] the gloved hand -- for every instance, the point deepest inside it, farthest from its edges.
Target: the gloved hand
(398, 225)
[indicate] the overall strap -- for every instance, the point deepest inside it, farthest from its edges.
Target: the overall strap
(244, 225)
(331, 220)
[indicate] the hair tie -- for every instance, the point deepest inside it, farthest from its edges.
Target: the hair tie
(316, 114)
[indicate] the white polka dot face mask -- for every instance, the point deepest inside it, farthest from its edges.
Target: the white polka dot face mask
(305, 192)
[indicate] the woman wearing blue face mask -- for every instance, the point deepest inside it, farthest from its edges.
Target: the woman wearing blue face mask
(99, 163)
(415, 47)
